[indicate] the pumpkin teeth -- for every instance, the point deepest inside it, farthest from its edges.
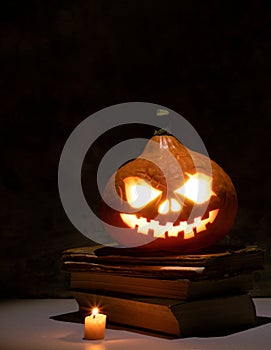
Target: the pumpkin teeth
(144, 226)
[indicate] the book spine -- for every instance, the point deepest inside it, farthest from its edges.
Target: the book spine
(213, 316)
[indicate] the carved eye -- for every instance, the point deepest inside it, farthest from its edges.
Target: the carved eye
(139, 192)
(198, 188)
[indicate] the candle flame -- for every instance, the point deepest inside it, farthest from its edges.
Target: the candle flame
(95, 311)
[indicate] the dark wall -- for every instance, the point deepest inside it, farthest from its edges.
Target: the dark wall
(64, 60)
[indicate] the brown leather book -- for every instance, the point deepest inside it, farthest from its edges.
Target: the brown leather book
(171, 316)
(217, 263)
(181, 289)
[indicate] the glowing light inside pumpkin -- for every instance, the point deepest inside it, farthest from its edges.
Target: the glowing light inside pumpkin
(164, 207)
(175, 206)
(169, 205)
(139, 192)
(198, 188)
(146, 227)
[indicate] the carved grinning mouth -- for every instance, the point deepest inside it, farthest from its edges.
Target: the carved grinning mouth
(189, 230)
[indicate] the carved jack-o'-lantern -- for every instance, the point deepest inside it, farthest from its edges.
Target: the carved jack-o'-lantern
(169, 197)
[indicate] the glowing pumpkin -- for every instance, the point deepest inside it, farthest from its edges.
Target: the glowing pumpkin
(169, 197)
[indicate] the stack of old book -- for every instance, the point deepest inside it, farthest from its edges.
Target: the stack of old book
(166, 292)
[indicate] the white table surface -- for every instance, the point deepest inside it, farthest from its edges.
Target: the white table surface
(26, 325)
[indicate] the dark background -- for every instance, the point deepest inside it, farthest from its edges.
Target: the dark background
(61, 61)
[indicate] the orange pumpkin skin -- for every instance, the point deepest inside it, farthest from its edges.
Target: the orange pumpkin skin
(191, 226)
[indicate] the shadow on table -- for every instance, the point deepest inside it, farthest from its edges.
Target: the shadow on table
(76, 317)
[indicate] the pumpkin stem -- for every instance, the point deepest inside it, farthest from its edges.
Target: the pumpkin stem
(164, 117)
(164, 131)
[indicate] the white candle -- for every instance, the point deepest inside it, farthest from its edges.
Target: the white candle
(94, 325)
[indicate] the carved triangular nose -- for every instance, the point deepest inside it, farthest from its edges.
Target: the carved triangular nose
(169, 205)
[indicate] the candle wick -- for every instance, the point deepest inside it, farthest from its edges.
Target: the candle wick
(94, 316)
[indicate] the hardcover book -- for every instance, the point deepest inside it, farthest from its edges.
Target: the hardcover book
(170, 316)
